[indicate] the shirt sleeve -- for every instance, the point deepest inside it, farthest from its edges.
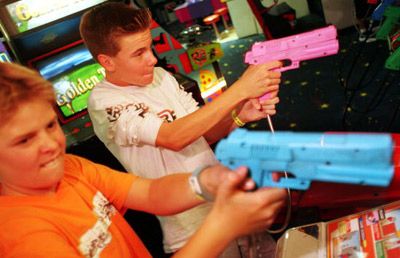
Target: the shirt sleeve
(115, 185)
(131, 128)
(122, 121)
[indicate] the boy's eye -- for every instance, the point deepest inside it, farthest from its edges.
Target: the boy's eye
(139, 52)
(23, 141)
(52, 124)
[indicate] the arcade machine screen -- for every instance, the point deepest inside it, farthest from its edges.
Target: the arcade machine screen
(73, 73)
(24, 15)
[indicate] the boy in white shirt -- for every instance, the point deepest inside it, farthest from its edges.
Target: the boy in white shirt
(149, 123)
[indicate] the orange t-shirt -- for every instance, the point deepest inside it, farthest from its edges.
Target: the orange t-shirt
(82, 219)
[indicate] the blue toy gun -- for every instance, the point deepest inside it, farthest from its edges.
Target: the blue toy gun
(356, 158)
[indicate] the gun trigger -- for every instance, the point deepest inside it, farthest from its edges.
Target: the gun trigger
(249, 175)
(286, 62)
(288, 65)
(296, 64)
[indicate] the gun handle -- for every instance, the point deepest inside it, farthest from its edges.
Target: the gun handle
(264, 97)
(287, 65)
(268, 95)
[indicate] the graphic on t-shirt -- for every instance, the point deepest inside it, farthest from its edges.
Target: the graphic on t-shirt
(114, 112)
(168, 115)
(93, 242)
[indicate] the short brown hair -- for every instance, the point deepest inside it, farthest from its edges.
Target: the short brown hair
(102, 25)
(20, 85)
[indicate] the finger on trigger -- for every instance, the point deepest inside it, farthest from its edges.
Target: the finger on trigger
(273, 65)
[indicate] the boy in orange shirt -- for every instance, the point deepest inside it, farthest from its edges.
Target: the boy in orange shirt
(58, 205)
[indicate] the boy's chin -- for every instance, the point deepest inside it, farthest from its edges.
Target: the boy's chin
(147, 79)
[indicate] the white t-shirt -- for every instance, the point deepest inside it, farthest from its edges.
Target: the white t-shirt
(127, 120)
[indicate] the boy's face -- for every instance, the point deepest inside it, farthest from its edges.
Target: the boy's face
(134, 63)
(32, 148)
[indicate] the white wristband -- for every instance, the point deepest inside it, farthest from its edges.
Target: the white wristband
(196, 186)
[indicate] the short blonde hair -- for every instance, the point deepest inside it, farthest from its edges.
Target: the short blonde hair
(19, 85)
(103, 25)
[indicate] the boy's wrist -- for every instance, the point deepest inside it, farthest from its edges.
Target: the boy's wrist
(197, 187)
(236, 93)
(238, 122)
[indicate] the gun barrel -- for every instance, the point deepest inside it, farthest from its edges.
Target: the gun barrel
(308, 45)
(357, 158)
(295, 55)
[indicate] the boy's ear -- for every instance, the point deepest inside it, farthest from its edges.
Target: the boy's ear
(106, 61)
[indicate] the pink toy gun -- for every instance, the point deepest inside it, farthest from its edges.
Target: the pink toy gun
(296, 48)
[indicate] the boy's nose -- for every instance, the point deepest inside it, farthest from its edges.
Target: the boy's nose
(152, 59)
(48, 142)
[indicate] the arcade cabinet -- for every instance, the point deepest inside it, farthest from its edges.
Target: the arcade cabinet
(204, 57)
(174, 58)
(45, 36)
(372, 233)
(73, 73)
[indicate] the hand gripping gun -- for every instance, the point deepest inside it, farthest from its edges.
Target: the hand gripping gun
(354, 158)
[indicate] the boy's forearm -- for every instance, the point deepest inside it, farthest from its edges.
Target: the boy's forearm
(182, 132)
(167, 195)
(220, 130)
(224, 127)
(173, 194)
